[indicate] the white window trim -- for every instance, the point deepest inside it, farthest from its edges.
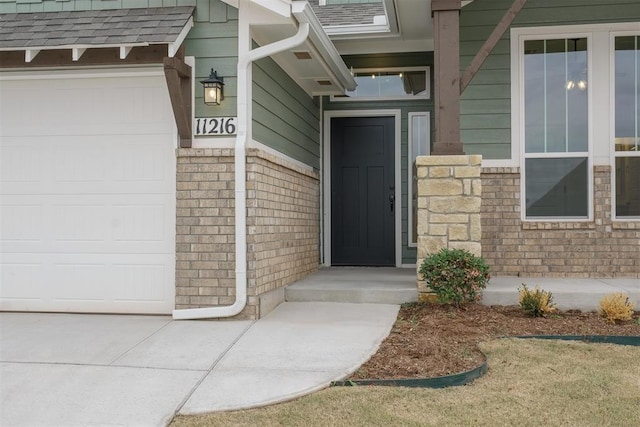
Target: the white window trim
(518, 37)
(601, 101)
(589, 154)
(426, 69)
(613, 153)
(410, 117)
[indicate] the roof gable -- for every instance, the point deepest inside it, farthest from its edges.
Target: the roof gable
(93, 28)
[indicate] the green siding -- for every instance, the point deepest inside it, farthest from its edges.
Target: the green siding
(419, 59)
(213, 40)
(285, 117)
(486, 103)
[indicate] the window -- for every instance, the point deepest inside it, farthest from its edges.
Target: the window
(627, 121)
(556, 128)
(390, 83)
(575, 93)
(419, 145)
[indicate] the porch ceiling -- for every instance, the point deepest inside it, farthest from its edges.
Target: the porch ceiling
(409, 29)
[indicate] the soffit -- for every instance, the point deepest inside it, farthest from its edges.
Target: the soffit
(315, 65)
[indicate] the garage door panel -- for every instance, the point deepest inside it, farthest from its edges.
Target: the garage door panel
(21, 222)
(19, 280)
(68, 167)
(139, 223)
(64, 282)
(19, 163)
(142, 165)
(138, 282)
(86, 107)
(87, 196)
(77, 281)
(102, 224)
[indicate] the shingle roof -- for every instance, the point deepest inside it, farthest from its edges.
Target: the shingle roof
(157, 25)
(347, 14)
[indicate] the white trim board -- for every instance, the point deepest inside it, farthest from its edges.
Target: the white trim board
(410, 116)
(326, 172)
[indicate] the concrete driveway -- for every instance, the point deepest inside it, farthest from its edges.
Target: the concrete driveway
(78, 370)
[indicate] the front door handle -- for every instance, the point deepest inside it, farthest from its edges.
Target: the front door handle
(392, 201)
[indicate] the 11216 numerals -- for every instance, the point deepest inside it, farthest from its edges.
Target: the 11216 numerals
(216, 126)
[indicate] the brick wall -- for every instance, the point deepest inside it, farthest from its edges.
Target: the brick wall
(283, 205)
(205, 234)
(282, 227)
(595, 249)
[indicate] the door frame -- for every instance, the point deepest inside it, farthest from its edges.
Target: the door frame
(326, 177)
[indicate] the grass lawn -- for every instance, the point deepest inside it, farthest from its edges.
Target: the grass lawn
(530, 383)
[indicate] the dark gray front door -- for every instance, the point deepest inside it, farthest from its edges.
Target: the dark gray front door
(362, 191)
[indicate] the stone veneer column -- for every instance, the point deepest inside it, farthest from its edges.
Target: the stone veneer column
(449, 199)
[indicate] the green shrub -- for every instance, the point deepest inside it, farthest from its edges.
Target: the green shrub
(616, 308)
(537, 302)
(456, 276)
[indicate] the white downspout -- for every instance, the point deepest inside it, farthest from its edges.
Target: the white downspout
(245, 59)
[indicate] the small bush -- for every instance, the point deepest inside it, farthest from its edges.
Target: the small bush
(537, 302)
(456, 276)
(616, 308)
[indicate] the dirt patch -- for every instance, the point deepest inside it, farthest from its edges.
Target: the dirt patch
(434, 340)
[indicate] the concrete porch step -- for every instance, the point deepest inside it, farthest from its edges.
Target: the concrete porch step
(378, 285)
(386, 285)
(568, 294)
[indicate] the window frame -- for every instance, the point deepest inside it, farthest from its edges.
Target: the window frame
(410, 162)
(535, 35)
(427, 95)
(612, 119)
(601, 66)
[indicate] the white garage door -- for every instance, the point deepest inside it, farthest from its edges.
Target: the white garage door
(87, 187)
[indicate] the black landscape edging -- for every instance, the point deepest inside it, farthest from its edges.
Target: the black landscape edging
(469, 376)
(595, 339)
(434, 382)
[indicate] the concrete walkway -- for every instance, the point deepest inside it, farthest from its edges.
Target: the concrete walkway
(568, 294)
(78, 370)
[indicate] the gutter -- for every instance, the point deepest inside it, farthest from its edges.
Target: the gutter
(304, 14)
(245, 59)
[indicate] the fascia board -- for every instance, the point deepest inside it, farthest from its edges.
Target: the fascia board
(356, 30)
(303, 14)
(281, 7)
(233, 3)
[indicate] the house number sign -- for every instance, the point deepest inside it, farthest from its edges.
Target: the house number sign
(210, 126)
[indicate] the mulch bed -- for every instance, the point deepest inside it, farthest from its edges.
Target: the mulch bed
(430, 340)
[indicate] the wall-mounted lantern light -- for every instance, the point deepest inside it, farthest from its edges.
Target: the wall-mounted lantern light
(213, 89)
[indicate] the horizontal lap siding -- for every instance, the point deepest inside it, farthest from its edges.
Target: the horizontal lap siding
(486, 103)
(213, 41)
(285, 117)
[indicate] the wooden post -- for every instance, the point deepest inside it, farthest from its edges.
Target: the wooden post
(178, 76)
(446, 27)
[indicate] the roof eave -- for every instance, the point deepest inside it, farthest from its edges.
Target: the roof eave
(303, 13)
